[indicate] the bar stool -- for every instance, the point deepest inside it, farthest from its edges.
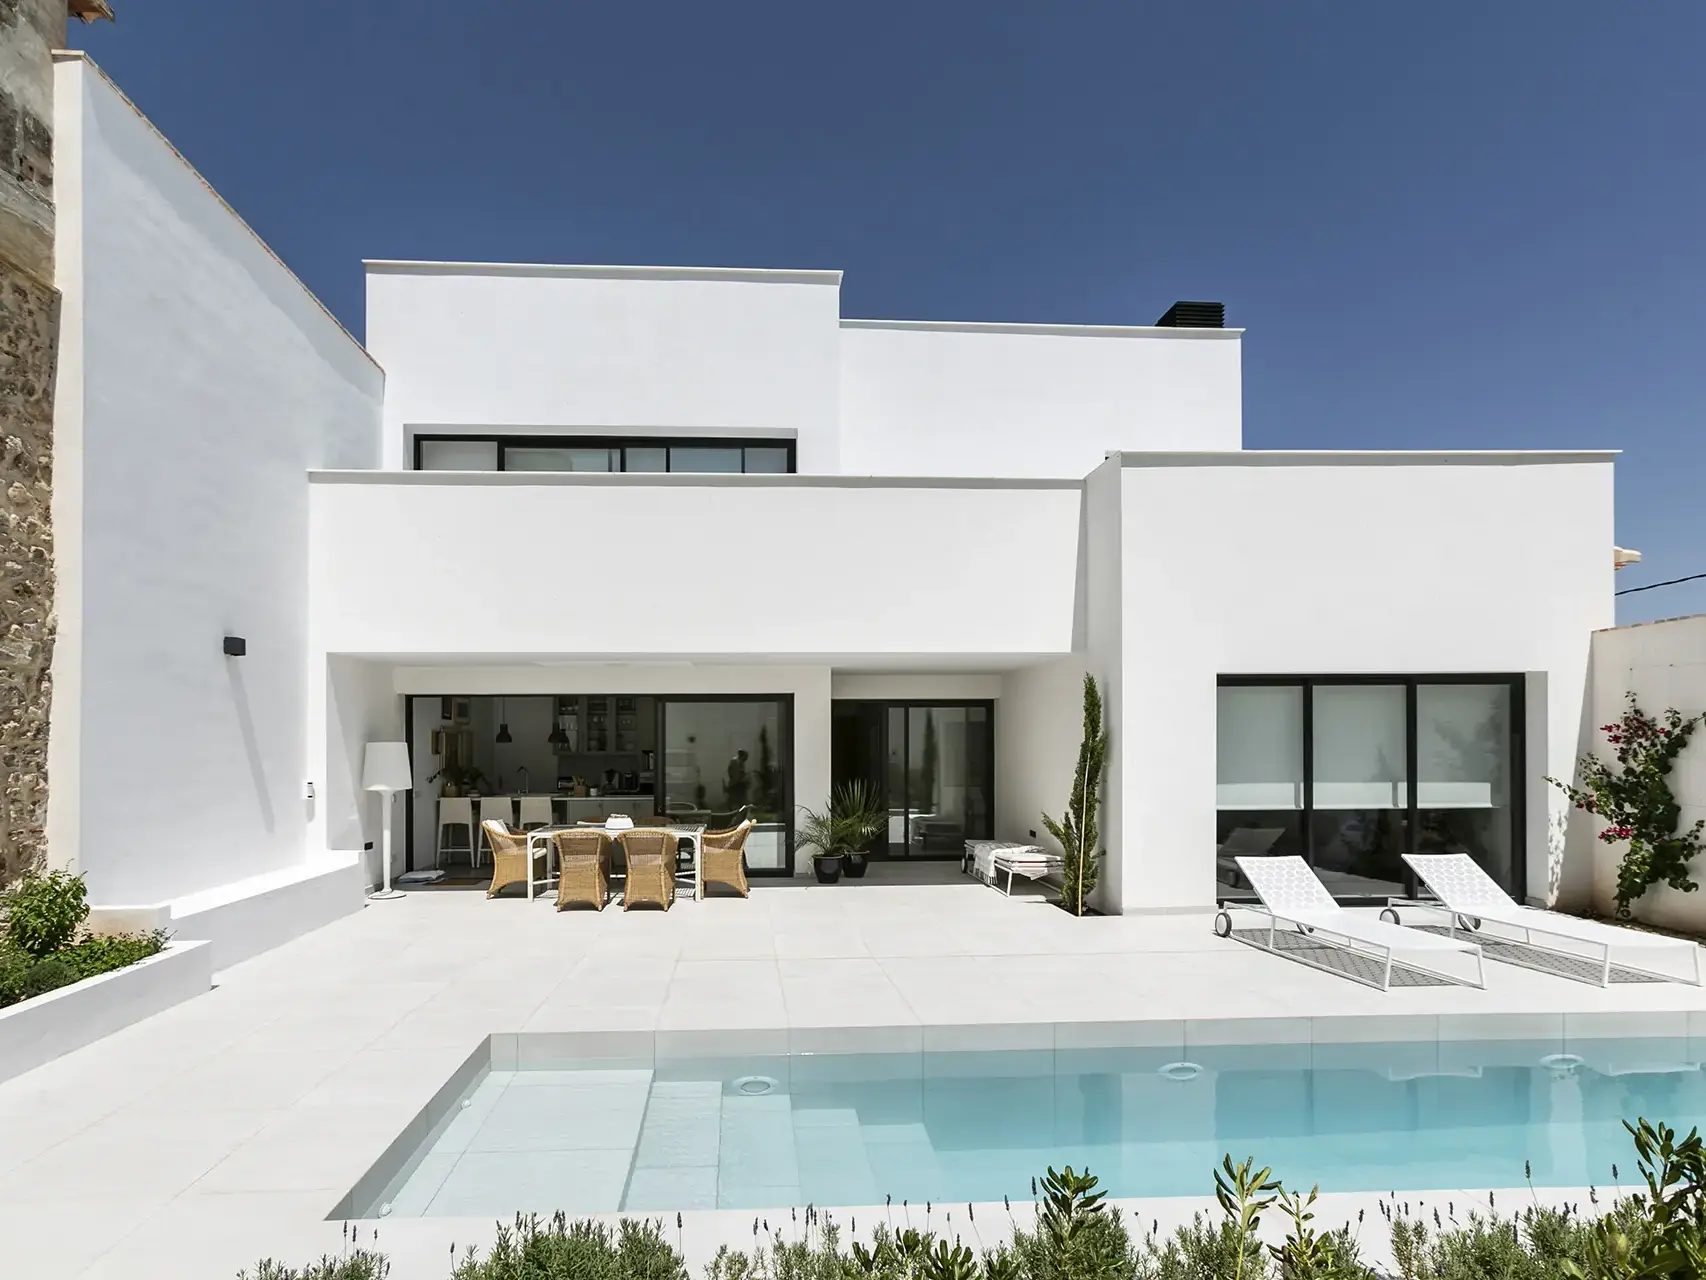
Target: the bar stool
(535, 812)
(492, 809)
(454, 812)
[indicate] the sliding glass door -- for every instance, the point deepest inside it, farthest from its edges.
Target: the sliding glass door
(1353, 772)
(725, 757)
(931, 764)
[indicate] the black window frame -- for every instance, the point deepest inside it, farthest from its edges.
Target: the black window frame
(624, 443)
(1515, 682)
(784, 751)
(881, 707)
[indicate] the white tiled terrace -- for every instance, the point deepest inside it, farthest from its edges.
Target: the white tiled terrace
(224, 1130)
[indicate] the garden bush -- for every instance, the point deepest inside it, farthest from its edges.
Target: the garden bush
(359, 1264)
(564, 1250)
(40, 950)
(43, 913)
(103, 954)
(47, 975)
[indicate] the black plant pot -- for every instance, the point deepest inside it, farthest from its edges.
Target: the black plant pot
(853, 866)
(828, 869)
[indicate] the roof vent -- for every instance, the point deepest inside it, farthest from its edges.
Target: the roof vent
(1194, 315)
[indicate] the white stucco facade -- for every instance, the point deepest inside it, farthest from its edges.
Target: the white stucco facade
(976, 514)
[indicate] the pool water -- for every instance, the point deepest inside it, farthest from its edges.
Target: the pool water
(955, 1127)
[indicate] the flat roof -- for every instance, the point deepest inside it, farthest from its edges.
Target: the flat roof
(1060, 330)
(742, 275)
(1365, 457)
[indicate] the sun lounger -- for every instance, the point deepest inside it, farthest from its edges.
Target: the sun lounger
(1243, 842)
(1291, 894)
(990, 859)
(1471, 899)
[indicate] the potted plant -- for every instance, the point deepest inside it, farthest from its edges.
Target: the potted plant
(458, 778)
(850, 821)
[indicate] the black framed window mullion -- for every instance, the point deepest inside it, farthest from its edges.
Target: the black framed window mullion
(1412, 785)
(1309, 772)
(1518, 735)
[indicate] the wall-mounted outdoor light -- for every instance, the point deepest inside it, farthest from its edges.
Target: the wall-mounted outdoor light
(235, 646)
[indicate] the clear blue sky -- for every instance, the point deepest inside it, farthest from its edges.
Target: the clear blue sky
(1450, 225)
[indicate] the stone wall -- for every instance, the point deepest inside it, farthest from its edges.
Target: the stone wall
(29, 336)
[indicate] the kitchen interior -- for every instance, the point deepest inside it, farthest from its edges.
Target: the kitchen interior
(699, 760)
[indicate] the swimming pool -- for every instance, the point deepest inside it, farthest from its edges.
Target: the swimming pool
(852, 1129)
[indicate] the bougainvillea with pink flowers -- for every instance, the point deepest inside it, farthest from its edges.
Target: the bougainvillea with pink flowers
(1633, 798)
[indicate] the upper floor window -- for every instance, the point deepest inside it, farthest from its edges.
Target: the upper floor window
(641, 454)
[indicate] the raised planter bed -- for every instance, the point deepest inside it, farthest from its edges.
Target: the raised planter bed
(42, 1029)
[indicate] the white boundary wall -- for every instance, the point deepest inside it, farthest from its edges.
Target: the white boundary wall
(1664, 665)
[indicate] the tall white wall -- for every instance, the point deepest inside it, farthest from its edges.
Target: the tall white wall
(607, 350)
(1350, 563)
(1664, 665)
(1030, 400)
(1038, 726)
(362, 706)
(211, 382)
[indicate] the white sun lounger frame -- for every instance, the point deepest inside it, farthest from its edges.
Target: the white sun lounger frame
(1463, 889)
(1292, 894)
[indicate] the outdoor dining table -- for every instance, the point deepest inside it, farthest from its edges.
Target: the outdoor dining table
(682, 831)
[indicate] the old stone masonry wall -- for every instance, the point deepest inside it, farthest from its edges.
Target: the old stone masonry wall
(29, 332)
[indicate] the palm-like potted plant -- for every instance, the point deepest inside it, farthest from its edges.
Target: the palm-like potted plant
(850, 821)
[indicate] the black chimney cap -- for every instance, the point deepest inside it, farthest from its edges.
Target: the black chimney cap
(1194, 315)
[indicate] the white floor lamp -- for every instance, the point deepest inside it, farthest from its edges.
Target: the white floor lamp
(386, 770)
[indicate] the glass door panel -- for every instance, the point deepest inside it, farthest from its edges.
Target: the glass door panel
(1463, 775)
(931, 765)
(896, 786)
(857, 754)
(1361, 789)
(1259, 780)
(724, 758)
(947, 754)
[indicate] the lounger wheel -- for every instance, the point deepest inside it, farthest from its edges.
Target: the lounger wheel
(1305, 929)
(1471, 923)
(1223, 924)
(1390, 916)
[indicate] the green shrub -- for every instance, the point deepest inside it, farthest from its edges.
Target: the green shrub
(361, 1264)
(48, 975)
(97, 955)
(15, 966)
(43, 913)
(575, 1251)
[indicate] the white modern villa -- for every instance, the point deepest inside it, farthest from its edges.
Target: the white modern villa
(600, 548)
(691, 539)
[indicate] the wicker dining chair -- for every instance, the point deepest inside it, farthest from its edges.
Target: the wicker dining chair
(583, 868)
(650, 855)
(510, 860)
(723, 858)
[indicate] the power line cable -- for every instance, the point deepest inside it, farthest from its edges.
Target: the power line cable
(1668, 582)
